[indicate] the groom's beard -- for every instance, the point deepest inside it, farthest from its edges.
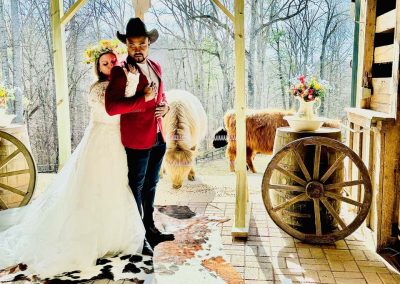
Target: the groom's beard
(138, 57)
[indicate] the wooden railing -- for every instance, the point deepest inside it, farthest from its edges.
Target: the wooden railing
(375, 137)
(211, 155)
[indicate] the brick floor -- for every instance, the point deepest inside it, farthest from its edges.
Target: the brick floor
(276, 257)
(269, 255)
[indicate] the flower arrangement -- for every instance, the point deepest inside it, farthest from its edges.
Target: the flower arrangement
(5, 95)
(92, 53)
(308, 89)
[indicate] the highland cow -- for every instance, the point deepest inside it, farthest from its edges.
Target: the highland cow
(185, 127)
(261, 126)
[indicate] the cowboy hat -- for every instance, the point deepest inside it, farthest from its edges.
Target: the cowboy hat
(136, 28)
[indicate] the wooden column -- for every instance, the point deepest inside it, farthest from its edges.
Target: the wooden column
(356, 53)
(58, 22)
(61, 82)
(241, 225)
(141, 7)
(242, 212)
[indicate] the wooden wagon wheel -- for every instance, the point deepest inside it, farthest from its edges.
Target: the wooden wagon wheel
(27, 167)
(312, 187)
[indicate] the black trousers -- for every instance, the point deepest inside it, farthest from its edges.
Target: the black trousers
(144, 169)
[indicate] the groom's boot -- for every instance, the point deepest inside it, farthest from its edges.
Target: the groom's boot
(154, 236)
(147, 249)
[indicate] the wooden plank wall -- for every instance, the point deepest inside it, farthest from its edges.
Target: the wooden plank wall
(386, 51)
(380, 151)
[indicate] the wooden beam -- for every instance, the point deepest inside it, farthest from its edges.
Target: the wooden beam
(383, 93)
(61, 81)
(395, 69)
(389, 154)
(384, 54)
(380, 106)
(365, 51)
(386, 22)
(357, 55)
(72, 11)
(241, 225)
(381, 98)
(141, 7)
(382, 85)
(224, 9)
(367, 114)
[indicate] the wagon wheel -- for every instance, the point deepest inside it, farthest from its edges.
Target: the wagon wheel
(312, 187)
(13, 193)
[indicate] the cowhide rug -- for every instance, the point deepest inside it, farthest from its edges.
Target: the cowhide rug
(195, 256)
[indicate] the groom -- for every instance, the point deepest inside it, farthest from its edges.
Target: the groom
(142, 133)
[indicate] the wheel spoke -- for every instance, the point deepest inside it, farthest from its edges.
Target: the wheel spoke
(301, 164)
(292, 176)
(286, 187)
(12, 189)
(317, 159)
(317, 215)
(334, 166)
(3, 206)
(14, 173)
(343, 184)
(292, 201)
(342, 198)
(333, 213)
(9, 158)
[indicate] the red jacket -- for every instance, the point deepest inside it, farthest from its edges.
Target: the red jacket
(138, 121)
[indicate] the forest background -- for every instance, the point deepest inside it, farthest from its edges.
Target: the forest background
(284, 38)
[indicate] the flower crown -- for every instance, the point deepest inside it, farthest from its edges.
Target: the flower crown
(92, 53)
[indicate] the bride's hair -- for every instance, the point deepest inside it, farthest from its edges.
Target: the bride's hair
(101, 77)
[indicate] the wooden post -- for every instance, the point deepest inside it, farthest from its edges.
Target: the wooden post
(61, 82)
(242, 214)
(141, 7)
(72, 11)
(355, 54)
(241, 224)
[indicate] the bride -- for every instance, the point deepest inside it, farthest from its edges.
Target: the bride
(88, 211)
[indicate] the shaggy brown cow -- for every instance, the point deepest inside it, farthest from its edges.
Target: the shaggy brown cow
(261, 126)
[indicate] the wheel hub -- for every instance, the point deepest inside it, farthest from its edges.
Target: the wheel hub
(315, 189)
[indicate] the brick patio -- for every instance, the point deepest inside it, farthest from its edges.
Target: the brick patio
(270, 255)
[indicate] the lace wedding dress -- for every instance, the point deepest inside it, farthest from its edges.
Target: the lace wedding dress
(87, 212)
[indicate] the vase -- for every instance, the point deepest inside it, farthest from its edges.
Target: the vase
(307, 109)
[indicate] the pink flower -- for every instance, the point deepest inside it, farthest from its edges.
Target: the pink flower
(310, 97)
(310, 91)
(302, 79)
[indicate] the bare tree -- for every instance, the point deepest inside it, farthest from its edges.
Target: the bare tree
(17, 59)
(3, 47)
(273, 11)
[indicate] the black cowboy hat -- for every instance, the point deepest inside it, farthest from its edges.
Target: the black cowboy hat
(136, 28)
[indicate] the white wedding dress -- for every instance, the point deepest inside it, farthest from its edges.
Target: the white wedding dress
(87, 212)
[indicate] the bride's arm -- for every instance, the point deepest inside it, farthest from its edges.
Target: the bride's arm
(96, 94)
(115, 100)
(131, 85)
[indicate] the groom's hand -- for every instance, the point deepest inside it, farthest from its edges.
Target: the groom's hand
(149, 92)
(130, 69)
(162, 109)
